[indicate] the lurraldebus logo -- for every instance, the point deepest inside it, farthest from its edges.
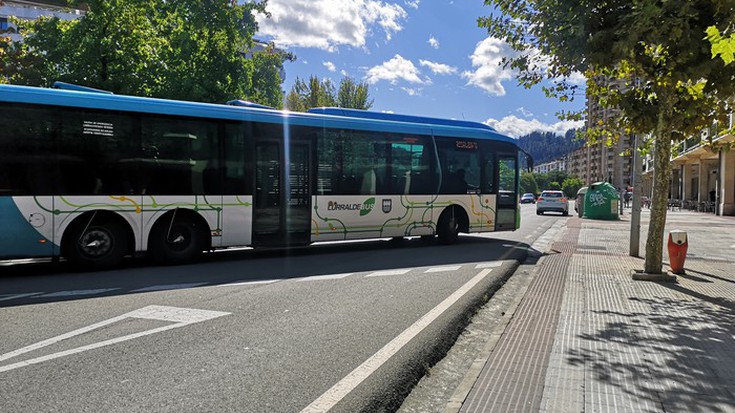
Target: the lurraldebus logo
(364, 208)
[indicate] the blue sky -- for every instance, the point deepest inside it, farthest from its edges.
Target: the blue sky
(422, 57)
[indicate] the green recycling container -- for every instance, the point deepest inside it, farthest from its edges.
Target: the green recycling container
(601, 202)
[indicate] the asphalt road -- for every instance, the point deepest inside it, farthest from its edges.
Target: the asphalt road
(351, 327)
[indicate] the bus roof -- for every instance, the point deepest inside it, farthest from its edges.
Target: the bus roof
(345, 119)
(365, 114)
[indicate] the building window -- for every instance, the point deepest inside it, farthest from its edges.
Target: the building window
(3, 24)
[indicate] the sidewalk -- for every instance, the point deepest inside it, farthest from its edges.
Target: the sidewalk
(588, 338)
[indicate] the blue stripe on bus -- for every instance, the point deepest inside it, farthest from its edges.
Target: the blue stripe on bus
(57, 97)
(18, 237)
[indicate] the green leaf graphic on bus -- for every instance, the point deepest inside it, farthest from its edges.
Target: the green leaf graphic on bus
(367, 206)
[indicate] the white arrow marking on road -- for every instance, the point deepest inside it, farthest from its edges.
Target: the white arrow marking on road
(443, 269)
(179, 316)
(388, 272)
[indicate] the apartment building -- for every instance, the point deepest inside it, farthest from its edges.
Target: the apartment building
(32, 10)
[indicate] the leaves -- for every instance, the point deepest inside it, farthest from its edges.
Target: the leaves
(723, 47)
(316, 93)
(187, 49)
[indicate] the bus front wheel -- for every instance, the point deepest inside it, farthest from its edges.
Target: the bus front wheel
(176, 240)
(95, 243)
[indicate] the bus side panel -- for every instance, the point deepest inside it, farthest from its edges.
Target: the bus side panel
(480, 209)
(27, 227)
(67, 208)
(208, 207)
(237, 219)
(371, 216)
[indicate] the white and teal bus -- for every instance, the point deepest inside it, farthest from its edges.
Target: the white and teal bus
(94, 177)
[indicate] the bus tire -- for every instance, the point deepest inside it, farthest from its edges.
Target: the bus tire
(177, 242)
(448, 226)
(99, 243)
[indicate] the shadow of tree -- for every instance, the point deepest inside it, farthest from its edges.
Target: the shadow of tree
(676, 357)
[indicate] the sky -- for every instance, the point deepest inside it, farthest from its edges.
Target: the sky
(419, 57)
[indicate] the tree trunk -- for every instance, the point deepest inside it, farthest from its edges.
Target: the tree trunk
(660, 197)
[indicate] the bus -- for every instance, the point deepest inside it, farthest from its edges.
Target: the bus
(94, 177)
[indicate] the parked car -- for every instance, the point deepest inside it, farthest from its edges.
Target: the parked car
(528, 198)
(552, 201)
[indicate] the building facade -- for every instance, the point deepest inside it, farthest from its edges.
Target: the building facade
(31, 10)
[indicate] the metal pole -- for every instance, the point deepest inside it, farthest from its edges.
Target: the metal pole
(635, 217)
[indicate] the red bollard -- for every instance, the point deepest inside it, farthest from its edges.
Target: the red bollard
(677, 250)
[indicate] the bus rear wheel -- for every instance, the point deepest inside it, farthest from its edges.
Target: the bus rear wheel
(448, 227)
(176, 240)
(95, 243)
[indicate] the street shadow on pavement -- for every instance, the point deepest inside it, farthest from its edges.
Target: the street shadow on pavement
(253, 265)
(675, 357)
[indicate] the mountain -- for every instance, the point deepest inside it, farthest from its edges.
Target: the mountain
(547, 146)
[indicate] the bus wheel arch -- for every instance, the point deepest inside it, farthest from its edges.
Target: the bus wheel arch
(97, 239)
(451, 222)
(178, 237)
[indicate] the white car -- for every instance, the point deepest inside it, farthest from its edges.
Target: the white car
(552, 201)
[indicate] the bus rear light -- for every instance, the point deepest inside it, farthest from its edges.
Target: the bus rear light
(540, 199)
(42, 241)
(563, 200)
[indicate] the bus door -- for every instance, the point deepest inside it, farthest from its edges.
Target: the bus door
(282, 201)
(507, 206)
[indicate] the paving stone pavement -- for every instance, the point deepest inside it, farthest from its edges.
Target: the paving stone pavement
(586, 337)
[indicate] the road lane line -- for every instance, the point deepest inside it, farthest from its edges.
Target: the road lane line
(241, 283)
(335, 394)
(324, 277)
(15, 296)
(494, 264)
(388, 272)
(167, 287)
(443, 269)
(74, 293)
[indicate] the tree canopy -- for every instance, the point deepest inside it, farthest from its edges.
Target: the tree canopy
(315, 93)
(649, 60)
(187, 49)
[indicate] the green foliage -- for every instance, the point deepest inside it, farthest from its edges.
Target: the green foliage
(647, 60)
(186, 49)
(571, 185)
(315, 93)
(528, 183)
(721, 46)
(353, 95)
(547, 146)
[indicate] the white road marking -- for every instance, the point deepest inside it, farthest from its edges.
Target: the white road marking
(167, 287)
(494, 264)
(443, 269)
(179, 316)
(389, 272)
(74, 293)
(240, 283)
(324, 277)
(333, 396)
(8, 297)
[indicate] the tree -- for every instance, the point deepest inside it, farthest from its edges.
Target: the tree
(319, 93)
(353, 95)
(528, 183)
(570, 186)
(721, 46)
(187, 49)
(650, 60)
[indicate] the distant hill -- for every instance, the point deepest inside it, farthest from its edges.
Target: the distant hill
(546, 146)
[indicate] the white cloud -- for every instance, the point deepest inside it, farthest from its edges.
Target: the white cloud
(330, 66)
(433, 42)
(523, 111)
(488, 74)
(438, 68)
(344, 73)
(394, 70)
(414, 4)
(516, 127)
(328, 24)
(411, 91)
